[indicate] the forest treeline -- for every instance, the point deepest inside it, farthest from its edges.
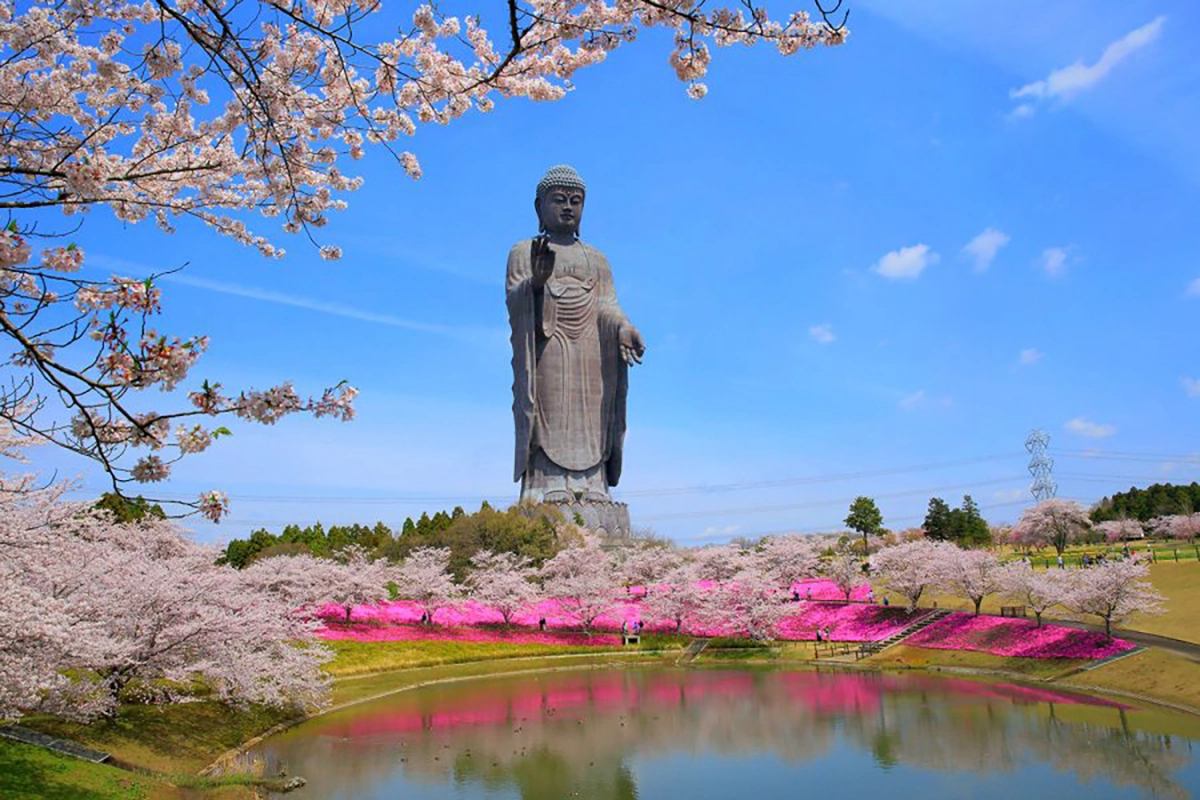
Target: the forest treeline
(536, 532)
(1157, 500)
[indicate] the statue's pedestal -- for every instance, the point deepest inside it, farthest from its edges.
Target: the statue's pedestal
(605, 518)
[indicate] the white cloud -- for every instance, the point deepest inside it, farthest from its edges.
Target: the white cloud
(823, 333)
(714, 532)
(335, 309)
(1010, 495)
(907, 262)
(1193, 289)
(1092, 430)
(1031, 355)
(1067, 81)
(1054, 261)
(1021, 112)
(1192, 386)
(983, 248)
(913, 400)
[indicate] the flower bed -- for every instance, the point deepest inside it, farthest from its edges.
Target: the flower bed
(854, 622)
(1015, 638)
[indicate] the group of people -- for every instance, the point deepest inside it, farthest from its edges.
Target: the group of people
(636, 628)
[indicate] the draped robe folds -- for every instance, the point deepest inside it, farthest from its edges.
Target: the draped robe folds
(569, 380)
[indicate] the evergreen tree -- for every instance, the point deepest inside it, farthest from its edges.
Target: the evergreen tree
(938, 524)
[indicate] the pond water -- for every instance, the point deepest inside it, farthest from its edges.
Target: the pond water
(705, 733)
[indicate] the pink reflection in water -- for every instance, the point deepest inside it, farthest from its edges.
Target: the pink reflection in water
(607, 694)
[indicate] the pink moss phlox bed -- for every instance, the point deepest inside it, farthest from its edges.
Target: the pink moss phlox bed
(1015, 638)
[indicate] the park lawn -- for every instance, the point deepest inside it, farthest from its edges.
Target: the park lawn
(1180, 584)
(907, 657)
(29, 771)
(179, 739)
(1154, 673)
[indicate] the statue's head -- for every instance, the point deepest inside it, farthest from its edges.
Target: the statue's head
(559, 201)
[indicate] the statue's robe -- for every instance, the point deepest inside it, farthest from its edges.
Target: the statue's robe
(569, 380)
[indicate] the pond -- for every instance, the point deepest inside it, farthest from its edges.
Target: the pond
(709, 733)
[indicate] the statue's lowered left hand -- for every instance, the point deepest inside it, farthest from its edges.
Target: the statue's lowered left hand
(632, 346)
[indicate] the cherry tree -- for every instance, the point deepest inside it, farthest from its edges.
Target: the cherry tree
(972, 575)
(719, 563)
(583, 580)
(216, 111)
(1112, 591)
(748, 604)
(137, 605)
(787, 560)
(1120, 530)
(1177, 526)
(301, 580)
(678, 598)
(424, 577)
(502, 581)
(1055, 522)
(647, 563)
(1034, 589)
(845, 570)
(910, 568)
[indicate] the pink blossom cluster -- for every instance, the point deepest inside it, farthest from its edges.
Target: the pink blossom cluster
(1015, 638)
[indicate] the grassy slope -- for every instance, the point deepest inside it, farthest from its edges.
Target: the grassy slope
(27, 771)
(1154, 673)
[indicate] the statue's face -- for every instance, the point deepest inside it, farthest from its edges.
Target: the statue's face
(561, 210)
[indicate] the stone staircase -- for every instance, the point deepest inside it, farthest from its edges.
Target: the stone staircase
(693, 650)
(867, 649)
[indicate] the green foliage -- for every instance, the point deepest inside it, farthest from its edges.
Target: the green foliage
(964, 525)
(531, 531)
(1157, 500)
(865, 518)
(125, 509)
(312, 539)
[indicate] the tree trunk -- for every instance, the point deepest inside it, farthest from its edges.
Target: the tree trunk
(1108, 628)
(978, 603)
(1038, 615)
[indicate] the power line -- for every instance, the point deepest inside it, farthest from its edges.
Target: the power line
(819, 503)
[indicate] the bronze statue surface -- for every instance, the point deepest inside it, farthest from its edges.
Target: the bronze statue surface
(572, 347)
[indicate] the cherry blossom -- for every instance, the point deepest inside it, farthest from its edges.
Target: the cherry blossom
(1051, 522)
(1034, 589)
(972, 575)
(583, 580)
(502, 581)
(425, 577)
(1112, 591)
(910, 568)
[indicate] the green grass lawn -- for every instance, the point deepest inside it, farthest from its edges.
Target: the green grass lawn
(1157, 674)
(28, 771)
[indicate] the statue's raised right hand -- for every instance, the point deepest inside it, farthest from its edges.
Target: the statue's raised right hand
(542, 258)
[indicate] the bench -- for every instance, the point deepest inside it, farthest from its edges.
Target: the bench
(1012, 611)
(630, 638)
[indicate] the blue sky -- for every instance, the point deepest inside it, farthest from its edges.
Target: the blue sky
(796, 249)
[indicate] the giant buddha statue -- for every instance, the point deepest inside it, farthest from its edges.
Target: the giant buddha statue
(572, 347)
